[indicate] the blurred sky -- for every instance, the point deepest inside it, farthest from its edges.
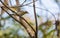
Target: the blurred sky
(51, 5)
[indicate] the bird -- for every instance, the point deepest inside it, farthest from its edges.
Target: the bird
(21, 13)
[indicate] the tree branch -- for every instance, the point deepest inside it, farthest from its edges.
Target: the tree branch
(36, 33)
(18, 22)
(18, 15)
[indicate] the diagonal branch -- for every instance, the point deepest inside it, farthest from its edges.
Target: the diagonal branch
(18, 15)
(23, 2)
(27, 4)
(18, 22)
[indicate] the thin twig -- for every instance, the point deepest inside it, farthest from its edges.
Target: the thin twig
(36, 33)
(23, 2)
(26, 4)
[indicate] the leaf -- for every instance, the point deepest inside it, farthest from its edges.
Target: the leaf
(50, 32)
(47, 23)
(42, 30)
(5, 18)
(1, 33)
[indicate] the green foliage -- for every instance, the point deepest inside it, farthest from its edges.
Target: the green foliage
(5, 18)
(43, 28)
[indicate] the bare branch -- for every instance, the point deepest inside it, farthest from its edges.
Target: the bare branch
(23, 2)
(18, 22)
(26, 4)
(36, 33)
(18, 15)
